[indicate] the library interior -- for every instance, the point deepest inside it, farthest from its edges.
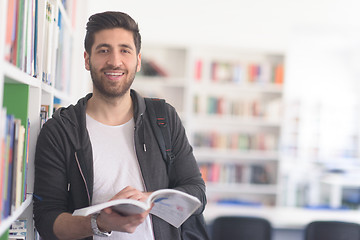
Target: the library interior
(268, 92)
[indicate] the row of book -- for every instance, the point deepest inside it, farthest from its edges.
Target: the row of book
(19, 230)
(14, 142)
(45, 112)
(230, 173)
(63, 56)
(254, 107)
(37, 40)
(234, 72)
(21, 35)
(236, 141)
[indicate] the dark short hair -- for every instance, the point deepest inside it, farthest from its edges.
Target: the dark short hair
(110, 20)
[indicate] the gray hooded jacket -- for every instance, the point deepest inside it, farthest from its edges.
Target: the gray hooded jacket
(64, 165)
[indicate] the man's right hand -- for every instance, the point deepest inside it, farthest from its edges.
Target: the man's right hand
(108, 220)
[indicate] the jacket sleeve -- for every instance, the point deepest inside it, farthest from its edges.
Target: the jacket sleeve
(50, 186)
(185, 174)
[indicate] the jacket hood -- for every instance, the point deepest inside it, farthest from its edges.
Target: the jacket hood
(72, 119)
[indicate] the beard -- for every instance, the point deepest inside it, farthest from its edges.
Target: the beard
(111, 90)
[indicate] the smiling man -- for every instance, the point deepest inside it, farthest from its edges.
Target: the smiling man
(104, 148)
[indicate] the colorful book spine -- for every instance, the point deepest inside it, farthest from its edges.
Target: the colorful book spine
(8, 169)
(13, 156)
(21, 32)
(222, 173)
(3, 124)
(236, 141)
(10, 22)
(261, 72)
(26, 161)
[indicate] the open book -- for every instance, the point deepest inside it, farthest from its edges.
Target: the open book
(171, 205)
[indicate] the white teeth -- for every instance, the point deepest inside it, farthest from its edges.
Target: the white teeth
(115, 74)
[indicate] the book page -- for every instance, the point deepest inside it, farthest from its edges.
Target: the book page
(174, 206)
(122, 206)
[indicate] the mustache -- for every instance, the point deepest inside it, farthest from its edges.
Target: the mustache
(112, 69)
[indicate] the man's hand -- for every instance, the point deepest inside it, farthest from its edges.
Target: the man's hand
(116, 222)
(67, 226)
(108, 220)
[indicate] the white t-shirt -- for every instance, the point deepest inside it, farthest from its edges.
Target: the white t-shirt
(115, 167)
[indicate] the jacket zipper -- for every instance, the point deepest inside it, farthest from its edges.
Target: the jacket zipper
(82, 175)
(144, 149)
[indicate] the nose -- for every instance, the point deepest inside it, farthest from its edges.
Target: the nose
(115, 60)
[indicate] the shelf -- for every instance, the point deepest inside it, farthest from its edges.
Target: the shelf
(233, 121)
(238, 188)
(47, 88)
(6, 223)
(235, 155)
(15, 75)
(220, 88)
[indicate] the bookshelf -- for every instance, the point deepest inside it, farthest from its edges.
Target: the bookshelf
(235, 115)
(36, 39)
(230, 102)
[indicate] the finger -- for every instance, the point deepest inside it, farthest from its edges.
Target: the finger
(127, 192)
(107, 210)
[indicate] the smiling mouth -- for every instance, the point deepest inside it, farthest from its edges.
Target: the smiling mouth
(114, 74)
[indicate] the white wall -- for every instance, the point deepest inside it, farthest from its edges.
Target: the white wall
(251, 24)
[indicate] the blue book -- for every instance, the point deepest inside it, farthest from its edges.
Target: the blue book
(8, 168)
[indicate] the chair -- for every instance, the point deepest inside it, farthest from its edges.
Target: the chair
(332, 230)
(241, 228)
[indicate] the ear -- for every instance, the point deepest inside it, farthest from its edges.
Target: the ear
(139, 63)
(87, 60)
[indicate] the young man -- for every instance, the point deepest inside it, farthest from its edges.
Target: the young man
(104, 147)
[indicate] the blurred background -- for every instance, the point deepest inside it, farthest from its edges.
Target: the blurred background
(269, 95)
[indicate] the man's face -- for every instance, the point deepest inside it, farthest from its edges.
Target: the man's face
(113, 62)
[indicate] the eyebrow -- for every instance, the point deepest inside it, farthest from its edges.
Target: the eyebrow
(109, 46)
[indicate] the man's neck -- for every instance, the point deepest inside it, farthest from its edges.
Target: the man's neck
(113, 112)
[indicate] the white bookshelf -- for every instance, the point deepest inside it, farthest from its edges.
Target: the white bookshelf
(220, 75)
(39, 92)
(180, 86)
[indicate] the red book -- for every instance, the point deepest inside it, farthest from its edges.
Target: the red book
(198, 70)
(14, 35)
(251, 73)
(9, 28)
(215, 177)
(204, 171)
(279, 74)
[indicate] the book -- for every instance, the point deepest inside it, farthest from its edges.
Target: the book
(198, 70)
(19, 167)
(18, 230)
(15, 152)
(170, 205)
(26, 161)
(8, 169)
(2, 153)
(10, 29)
